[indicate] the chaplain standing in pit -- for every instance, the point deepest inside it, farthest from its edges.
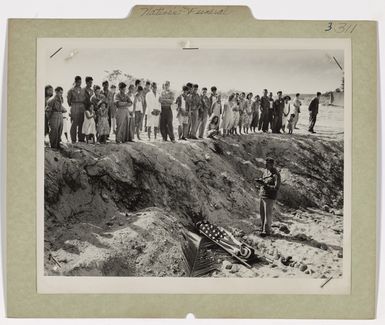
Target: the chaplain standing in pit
(270, 183)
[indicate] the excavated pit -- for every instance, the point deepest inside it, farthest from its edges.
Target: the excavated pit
(119, 210)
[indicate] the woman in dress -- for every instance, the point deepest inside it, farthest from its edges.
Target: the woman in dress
(227, 117)
(286, 113)
(247, 115)
(123, 102)
(88, 127)
(235, 119)
(255, 114)
(103, 126)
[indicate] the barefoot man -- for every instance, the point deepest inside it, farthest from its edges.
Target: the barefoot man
(270, 181)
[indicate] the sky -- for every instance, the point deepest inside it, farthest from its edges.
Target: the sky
(249, 70)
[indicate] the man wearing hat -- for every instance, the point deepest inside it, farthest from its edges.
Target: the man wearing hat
(166, 99)
(270, 181)
(76, 99)
(279, 105)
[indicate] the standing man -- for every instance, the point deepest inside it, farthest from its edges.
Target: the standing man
(297, 109)
(189, 86)
(203, 112)
(166, 100)
(279, 105)
(265, 108)
(271, 111)
(76, 99)
(89, 91)
(153, 110)
(146, 89)
(182, 114)
(313, 111)
(213, 99)
(194, 106)
(48, 95)
(109, 97)
(55, 112)
(270, 181)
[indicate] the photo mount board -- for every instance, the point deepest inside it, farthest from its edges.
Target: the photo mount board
(184, 22)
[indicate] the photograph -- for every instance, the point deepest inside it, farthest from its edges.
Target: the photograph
(176, 159)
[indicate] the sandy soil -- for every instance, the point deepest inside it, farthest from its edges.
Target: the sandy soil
(119, 210)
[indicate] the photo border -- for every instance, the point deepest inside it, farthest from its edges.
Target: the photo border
(22, 297)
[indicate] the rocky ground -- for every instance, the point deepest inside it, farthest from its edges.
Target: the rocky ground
(119, 210)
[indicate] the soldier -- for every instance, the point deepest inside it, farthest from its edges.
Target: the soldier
(166, 99)
(270, 181)
(76, 99)
(88, 90)
(279, 105)
(55, 112)
(194, 106)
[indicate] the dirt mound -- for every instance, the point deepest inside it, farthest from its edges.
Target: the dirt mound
(107, 205)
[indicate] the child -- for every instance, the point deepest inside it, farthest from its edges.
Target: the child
(89, 124)
(290, 123)
(213, 127)
(103, 126)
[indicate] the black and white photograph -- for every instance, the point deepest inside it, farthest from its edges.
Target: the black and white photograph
(177, 159)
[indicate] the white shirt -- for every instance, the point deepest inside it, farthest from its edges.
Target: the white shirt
(182, 103)
(152, 102)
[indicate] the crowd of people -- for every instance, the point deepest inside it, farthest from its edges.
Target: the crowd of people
(97, 113)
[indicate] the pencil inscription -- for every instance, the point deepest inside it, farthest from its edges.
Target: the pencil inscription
(177, 11)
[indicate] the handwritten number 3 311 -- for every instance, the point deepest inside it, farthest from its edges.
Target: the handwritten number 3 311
(340, 27)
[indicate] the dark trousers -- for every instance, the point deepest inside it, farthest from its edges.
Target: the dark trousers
(76, 127)
(277, 123)
(312, 120)
(264, 121)
(165, 123)
(56, 128)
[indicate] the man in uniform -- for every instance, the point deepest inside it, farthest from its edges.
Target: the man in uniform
(55, 112)
(89, 91)
(265, 106)
(313, 111)
(166, 99)
(279, 105)
(270, 181)
(194, 106)
(76, 99)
